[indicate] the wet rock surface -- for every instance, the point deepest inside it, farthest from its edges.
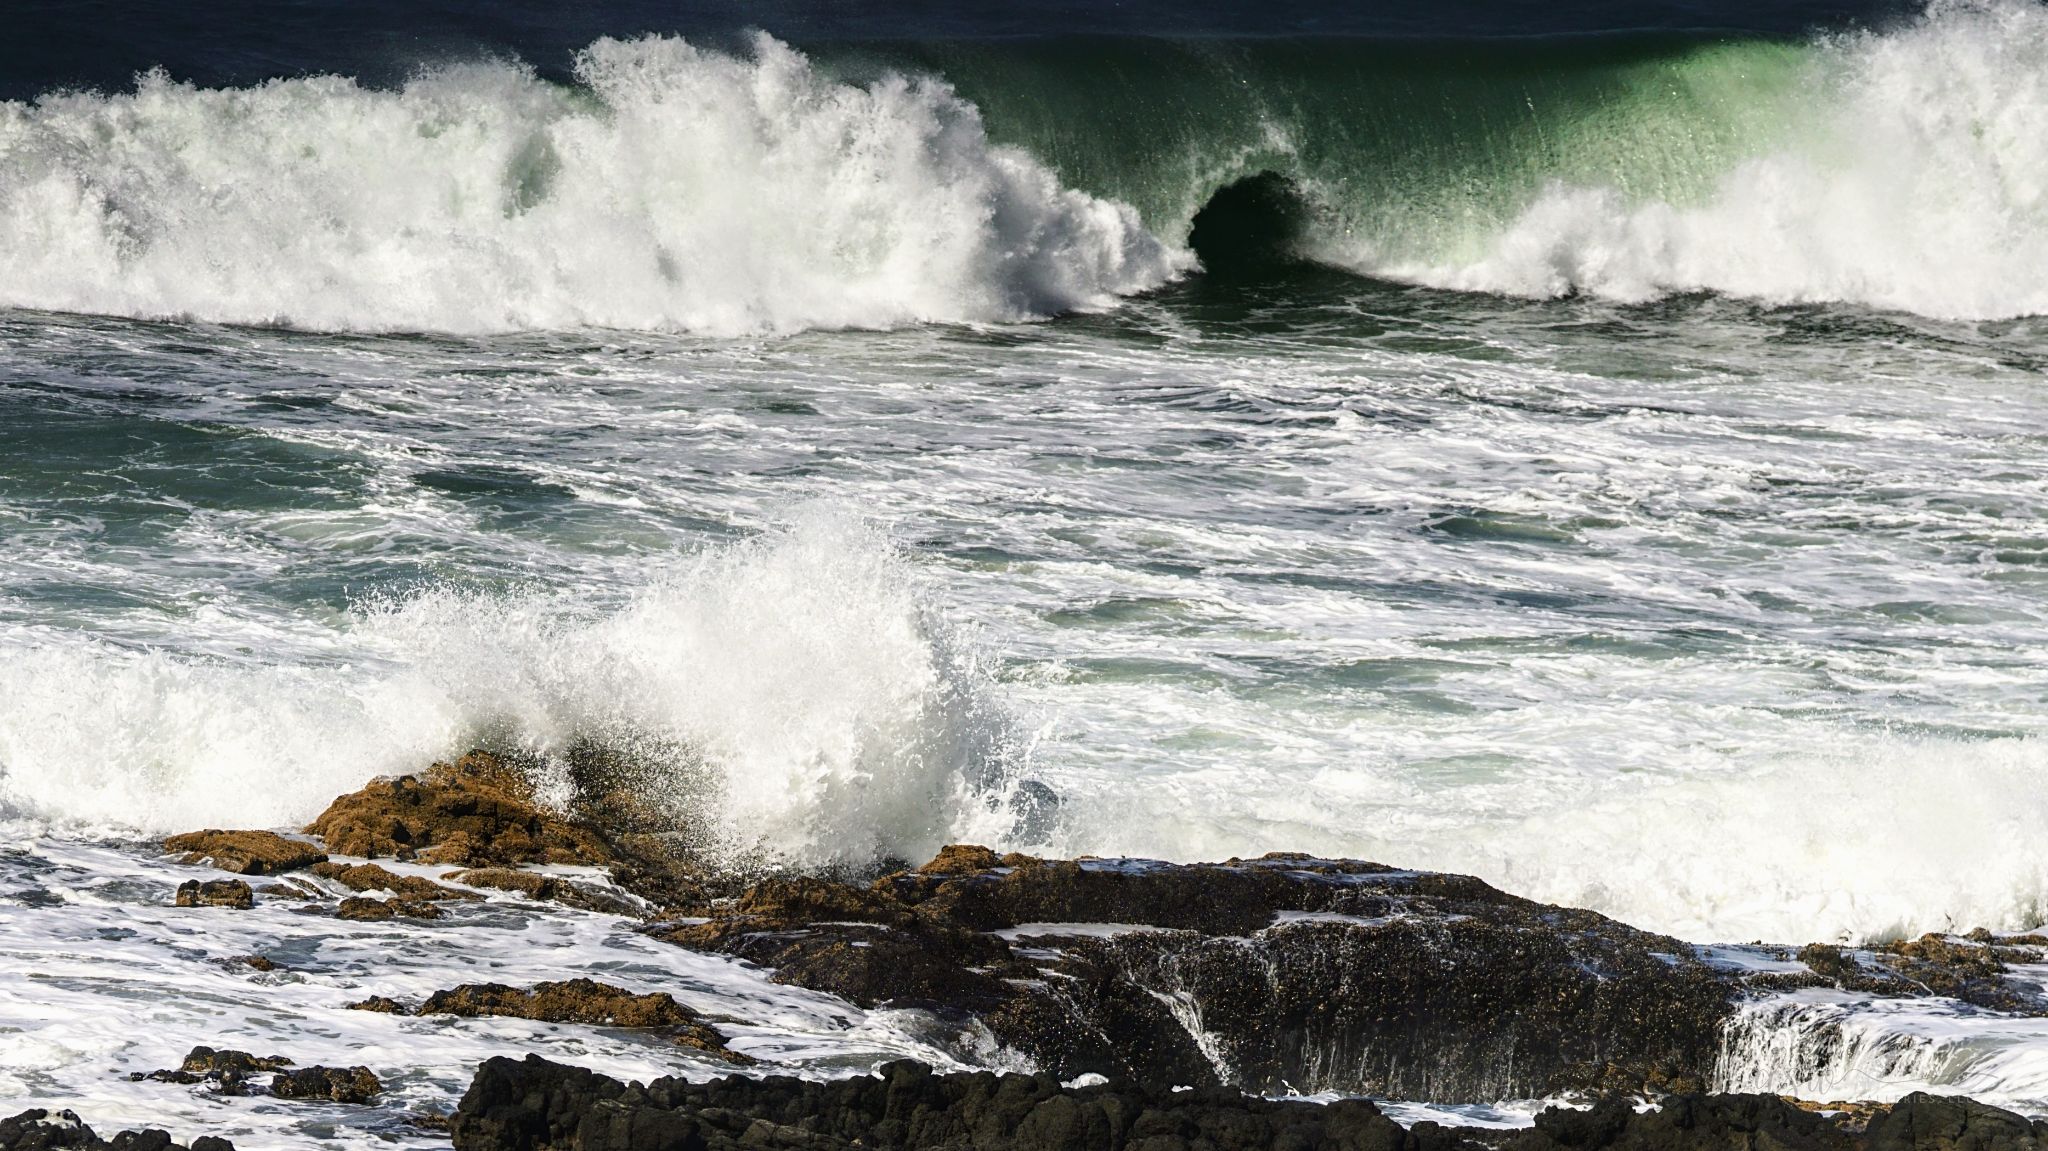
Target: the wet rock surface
(534, 1105)
(1268, 974)
(363, 909)
(245, 852)
(229, 893)
(370, 877)
(42, 1130)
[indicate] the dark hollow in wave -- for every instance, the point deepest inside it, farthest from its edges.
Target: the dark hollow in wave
(1251, 228)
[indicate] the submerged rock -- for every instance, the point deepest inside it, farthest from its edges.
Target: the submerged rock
(329, 1084)
(367, 910)
(547, 888)
(41, 1130)
(370, 877)
(245, 852)
(228, 1071)
(232, 893)
(583, 1001)
(1280, 973)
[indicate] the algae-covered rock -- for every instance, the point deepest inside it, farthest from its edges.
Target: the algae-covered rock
(583, 1001)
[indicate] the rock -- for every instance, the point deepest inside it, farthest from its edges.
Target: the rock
(232, 893)
(40, 1130)
(1923, 1122)
(583, 1001)
(227, 1070)
(334, 1084)
(368, 910)
(1285, 972)
(245, 852)
(370, 877)
(381, 1004)
(535, 1105)
(257, 962)
(530, 1105)
(534, 886)
(478, 811)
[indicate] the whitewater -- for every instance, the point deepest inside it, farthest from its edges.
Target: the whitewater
(1622, 482)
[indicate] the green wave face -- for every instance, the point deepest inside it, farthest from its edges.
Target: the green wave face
(1413, 152)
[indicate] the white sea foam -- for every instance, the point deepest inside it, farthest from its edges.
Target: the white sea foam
(1828, 1045)
(1913, 174)
(676, 189)
(795, 690)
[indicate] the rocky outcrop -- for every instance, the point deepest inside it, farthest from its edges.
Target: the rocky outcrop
(578, 1001)
(245, 852)
(535, 1105)
(41, 1130)
(478, 811)
(1285, 972)
(231, 893)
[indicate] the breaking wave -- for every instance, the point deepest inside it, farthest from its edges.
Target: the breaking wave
(794, 692)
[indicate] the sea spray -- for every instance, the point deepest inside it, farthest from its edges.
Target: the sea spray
(795, 694)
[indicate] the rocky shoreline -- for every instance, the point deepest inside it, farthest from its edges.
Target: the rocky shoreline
(1156, 1005)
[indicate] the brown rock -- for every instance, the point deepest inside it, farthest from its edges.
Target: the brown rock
(366, 910)
(532, 885)
(381, 1004)
(333, 1084)
(232, 893)
(245, 852)
(583, 1001)
(477, 811)
(370, 877)
(227, 1070)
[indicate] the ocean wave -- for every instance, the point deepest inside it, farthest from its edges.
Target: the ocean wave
(672, 189)
(1902, 170)
(793, 695)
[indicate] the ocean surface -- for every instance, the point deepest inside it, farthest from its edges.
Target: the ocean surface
(1603, 450)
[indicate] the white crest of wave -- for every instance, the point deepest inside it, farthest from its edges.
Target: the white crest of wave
(1875, 837)
(1914, 178)
(675, 189)
(801, 675)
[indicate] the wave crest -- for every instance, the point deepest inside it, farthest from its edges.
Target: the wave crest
(674, 189)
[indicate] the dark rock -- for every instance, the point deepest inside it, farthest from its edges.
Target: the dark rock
(370, 877)
(227, 1071)
(381, 1004)
(534, 1105)
(245, 852)
(333, 1084)
(583, 1001)
(257, 962)
(230, 893)
(40, 1130)
(1266, 974)
(365, 909)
